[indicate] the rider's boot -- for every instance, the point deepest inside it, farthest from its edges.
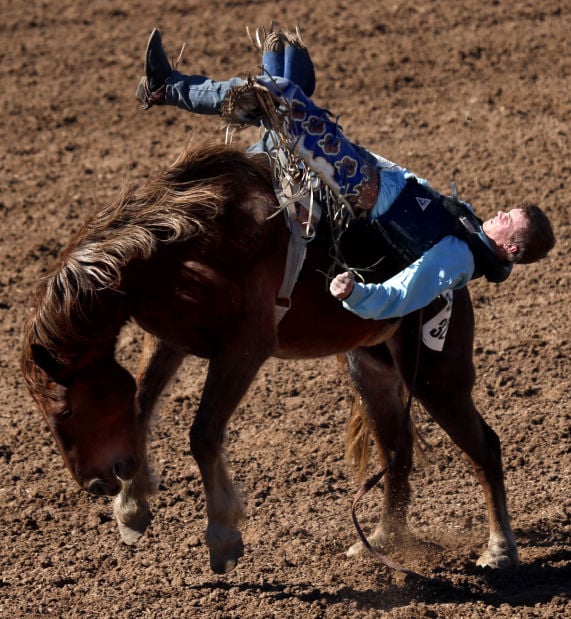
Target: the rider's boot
(162, 84)
(298, 66)
(273, 54)
(285, 55)
(152, 86)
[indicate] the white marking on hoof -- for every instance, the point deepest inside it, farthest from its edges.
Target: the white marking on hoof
(356, 550)
(501, 560)
(132, 522)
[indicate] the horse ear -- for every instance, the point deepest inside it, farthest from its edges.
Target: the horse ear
(44, 360)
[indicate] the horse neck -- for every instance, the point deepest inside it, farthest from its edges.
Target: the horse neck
(103, 322)
(87, 332)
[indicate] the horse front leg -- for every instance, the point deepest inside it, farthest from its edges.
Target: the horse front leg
(229, 376)
(158, 364)
(379, 412)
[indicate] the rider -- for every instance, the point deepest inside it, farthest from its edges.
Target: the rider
(439, 239)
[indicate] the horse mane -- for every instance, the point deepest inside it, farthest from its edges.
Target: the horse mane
(172, 206)
(175, 205)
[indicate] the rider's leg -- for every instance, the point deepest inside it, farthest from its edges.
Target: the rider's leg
(162, 85)
(273, 54)
(197, 93)
(346, 168)
(284, 55)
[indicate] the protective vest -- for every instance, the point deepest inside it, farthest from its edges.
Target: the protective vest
(421, 217)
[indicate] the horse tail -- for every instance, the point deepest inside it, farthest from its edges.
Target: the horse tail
(357, 434)
(357, 439)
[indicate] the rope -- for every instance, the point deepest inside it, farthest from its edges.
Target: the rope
(375, 479)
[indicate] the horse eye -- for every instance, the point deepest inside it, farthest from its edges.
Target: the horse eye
(65, 414)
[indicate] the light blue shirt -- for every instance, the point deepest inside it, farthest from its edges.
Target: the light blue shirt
(447, 265)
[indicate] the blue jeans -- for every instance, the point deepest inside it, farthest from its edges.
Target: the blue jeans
(197, 93)
(201, 95)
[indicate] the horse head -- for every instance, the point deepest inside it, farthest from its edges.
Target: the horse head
(91, 411)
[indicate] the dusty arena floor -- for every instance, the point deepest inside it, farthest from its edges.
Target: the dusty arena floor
(474, 91)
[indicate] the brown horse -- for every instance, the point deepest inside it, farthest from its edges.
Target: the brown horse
(195, 259)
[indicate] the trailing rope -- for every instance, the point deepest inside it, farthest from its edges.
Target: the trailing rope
(375, 479)
(368, 485)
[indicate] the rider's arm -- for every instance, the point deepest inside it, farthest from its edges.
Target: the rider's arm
(449, 264)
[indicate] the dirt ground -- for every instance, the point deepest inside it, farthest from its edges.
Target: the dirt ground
(476, 92)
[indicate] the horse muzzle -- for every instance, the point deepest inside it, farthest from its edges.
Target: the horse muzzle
(126, 468)
(100, 487)
(123, 470)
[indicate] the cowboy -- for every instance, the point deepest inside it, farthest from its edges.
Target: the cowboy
(437, 240)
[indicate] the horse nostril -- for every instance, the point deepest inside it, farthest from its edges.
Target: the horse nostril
(126, 468)
(97, 487)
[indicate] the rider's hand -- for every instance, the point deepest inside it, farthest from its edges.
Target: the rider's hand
(342, 285)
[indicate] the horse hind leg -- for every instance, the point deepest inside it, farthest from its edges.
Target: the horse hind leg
(463, 423)
(444, 388)
(379, 412)
(158, 364)
(501, 551)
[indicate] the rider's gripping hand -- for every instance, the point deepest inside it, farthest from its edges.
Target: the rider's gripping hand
(342, 285)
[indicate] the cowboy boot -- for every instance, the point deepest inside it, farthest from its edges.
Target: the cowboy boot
(273, 54)
(298, 66)
(285, 55)
(152, 86)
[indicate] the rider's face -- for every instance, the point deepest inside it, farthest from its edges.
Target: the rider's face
(503, 227)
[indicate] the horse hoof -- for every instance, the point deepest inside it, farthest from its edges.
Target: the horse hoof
(224, 561)
(134, 524)
(397, 540)
(498, 561)
(131, 534)
(356, 550)
(381, 538)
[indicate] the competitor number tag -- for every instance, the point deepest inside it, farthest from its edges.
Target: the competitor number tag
(434, 330)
